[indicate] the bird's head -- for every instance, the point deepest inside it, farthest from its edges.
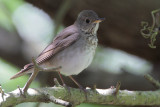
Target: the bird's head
(88, 21)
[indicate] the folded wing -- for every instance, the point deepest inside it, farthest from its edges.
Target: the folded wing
(66, 38)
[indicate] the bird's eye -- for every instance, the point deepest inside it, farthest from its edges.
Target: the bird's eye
(87, 20)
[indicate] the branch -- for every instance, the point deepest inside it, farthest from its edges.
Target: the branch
(76, 97)
(154, 82)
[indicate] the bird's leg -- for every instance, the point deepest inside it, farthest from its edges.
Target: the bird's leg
(61, 78)
(64, 83)
(75, 82)
(84, 90)
(33, 75)
(37, 68)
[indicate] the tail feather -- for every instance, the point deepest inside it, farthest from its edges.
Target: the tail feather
(23, 71)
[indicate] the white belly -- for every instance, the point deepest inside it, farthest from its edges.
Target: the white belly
(74, 58)
(73, 61)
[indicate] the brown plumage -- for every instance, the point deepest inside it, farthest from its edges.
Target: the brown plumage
(73, 48)
(68, 36)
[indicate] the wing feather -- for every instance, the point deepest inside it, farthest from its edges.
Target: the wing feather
(54, 48)
(66, 38)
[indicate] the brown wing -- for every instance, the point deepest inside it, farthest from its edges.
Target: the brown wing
(56, 47)
(67, 37)
(69, 31)
(62, 40)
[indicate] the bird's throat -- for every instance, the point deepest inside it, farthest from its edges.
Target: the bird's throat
(96, 28)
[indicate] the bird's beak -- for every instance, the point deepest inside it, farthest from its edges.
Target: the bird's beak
(99, 20)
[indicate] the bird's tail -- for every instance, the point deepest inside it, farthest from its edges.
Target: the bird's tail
(18, 74)
(27, 69)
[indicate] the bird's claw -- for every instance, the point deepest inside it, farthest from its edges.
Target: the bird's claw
(67, 88)
(85, 92)
(21, 92)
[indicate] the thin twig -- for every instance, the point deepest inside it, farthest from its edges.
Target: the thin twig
(94, 87)
(117, 87)
(154, 82)
(2, 92)
(56, 82)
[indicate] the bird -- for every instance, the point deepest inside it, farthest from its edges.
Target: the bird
(73, 48)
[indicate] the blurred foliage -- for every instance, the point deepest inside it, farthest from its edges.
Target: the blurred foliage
(112, 60)
(7, 70)
(5, 21)
(11, 5)
(95, 105)
(54, 105)
(7, 7)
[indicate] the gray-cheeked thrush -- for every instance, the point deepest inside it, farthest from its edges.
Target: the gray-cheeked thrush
(73, 48)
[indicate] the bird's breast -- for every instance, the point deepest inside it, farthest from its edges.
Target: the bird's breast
(76, 57)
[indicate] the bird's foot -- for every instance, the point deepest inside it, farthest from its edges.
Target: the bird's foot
(22, 93)
(85, 91)
(67, 88)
